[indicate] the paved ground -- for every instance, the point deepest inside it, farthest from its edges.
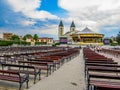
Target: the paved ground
(69, 77)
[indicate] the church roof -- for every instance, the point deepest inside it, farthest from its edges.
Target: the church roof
(86, 30)
(61, 24)
(71, 32)
(72, 24)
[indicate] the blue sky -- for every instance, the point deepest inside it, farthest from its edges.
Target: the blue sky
(42, 16)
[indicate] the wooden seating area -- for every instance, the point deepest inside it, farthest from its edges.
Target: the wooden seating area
(39, 65)
(14, 77)
(102, 73)
(113, 52)
(34, 61)
(23, 69)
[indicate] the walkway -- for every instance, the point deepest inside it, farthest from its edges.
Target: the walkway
(69, 77)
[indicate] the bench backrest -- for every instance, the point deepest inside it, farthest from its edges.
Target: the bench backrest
(37, 63)
(15, 65)
(9, 72)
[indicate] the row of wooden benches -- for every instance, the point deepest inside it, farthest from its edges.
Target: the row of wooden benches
(27, 49)
(14, 57)
(113, 52)
(98, 70)
(34, 66)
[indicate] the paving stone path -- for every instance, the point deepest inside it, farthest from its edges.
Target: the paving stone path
(70, 76)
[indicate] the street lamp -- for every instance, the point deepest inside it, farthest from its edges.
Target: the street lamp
(20, 40)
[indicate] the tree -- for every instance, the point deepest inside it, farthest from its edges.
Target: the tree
(35, 37)
(118, 38)
(15, 38)
(27, 36)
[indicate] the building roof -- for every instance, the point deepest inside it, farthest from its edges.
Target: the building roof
(61, 24)
(72, 24)
(45, 38)
(71, 32)
(85, 30)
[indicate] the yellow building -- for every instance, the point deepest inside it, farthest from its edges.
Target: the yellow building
(45, 40)
(86, 36)
(31, 40)
(7, 36)
(83, 37)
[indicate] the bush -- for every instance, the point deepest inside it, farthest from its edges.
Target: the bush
(57, 43)
(25, 43)
(40, 43)
(5, 43)
(114, 44)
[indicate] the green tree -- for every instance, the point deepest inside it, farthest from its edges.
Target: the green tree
(15, 38)
(35, 37)
(118, 38)
(111, 41)
(27, 36)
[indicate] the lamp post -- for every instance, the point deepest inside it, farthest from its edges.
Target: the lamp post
(20, 40)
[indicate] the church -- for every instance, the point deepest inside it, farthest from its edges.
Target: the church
(76, 37)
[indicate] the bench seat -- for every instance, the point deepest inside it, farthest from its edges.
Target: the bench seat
(105, 85)
(14, 77)
(23, 69)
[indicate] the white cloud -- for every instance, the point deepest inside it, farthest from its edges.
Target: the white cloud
(92, 13)
(111, 28)
(52, 30)
(76, 5)
(29, 8)
(27, 23)
(40, 15)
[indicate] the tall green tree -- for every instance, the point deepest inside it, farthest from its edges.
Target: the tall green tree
(35, 37)
(118, 38)
(27, 36)
(15, 38)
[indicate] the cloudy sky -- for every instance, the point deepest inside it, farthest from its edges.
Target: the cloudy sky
(42, 16)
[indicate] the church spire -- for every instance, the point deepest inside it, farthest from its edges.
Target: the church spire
(61, 24)
(72, 27)
(72, 24)
(60, 29)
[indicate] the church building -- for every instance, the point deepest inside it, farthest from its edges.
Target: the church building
(76, 37)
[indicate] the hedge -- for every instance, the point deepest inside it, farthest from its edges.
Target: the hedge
(7, 43)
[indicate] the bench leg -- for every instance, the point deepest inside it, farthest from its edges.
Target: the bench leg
(27, 80)
(27, 83)
(40, 75)
(35, 78)
(50, 70)
(20, 86)
(47, 72)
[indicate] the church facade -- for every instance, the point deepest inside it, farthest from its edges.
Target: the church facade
(83, 37)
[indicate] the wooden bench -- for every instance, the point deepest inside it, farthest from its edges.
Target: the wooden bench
(103, 65)
(100, 65)
(104, 62)
(57, 60)
(104, 85)
(14, 77)
(25, 69)
(104, 76)
(49, 61)
(38, 65)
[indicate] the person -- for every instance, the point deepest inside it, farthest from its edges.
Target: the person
(79, 47)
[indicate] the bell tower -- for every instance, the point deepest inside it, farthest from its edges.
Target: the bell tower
(72, 27)
(60, 29)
